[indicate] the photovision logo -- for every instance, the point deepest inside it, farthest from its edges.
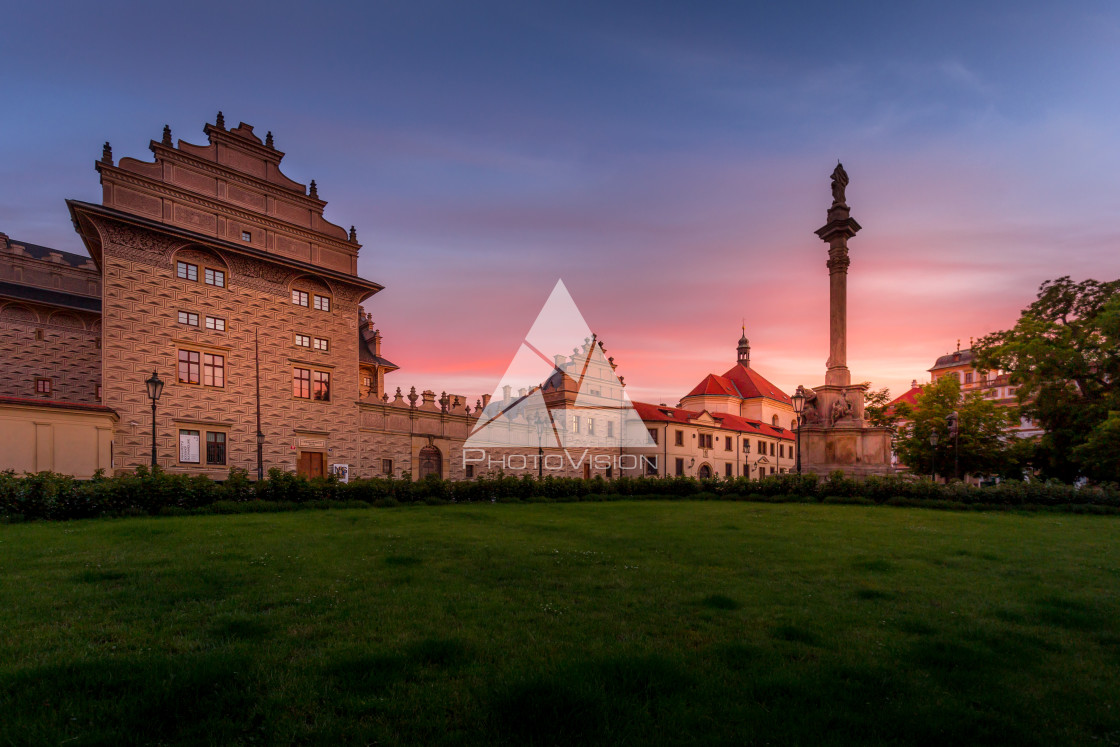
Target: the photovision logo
(560, 405)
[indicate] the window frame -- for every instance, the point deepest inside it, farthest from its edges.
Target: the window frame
(48, 390)
(212, 323)
(322, 344)
(301, 298)
(188, 315)
(322, 303)
(211, 275)
(299, 338)
(182, 266)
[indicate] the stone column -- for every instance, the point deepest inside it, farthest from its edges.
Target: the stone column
(840, 227)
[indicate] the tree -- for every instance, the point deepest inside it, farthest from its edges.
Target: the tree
(983, 442)
(875, 410)
(1063, 354)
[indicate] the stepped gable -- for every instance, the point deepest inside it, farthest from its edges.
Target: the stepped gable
(230, 189)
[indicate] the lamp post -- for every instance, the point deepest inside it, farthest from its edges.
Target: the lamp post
(541, 425)
(260, 433)
(933, 438)
(155, 389)
(955, 432)
(798, 405)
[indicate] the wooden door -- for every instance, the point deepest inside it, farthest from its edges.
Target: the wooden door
(310, 464)
(431, 462)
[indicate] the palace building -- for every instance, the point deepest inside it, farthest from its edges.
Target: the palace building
(212, 271)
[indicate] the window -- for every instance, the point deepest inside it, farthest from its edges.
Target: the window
(968, 378)
(680, 467)
(189, 367)
(761, 447)
(246, 236)
(678, 438)
(746, 446)
(771, 470)
(322, 303)
(321, 386)
(188, 447)
(188, 318)
(39, 334)
(771, 448)
(387, 466)
(301, 383)
(774, 421)
(43, 387)
(299, 298)
(705, 440)
(216, 323)
(303, 341)
(727, 443)
(367, 381)
(213, 370)
(727, 470)
(575, 424)
(651, 465)
(470, 471)
(322, 343)
(591, 426)
(652, 434)
(99, 391)
(215, 447)
(187, 271)
(216, 278)
(610, 429)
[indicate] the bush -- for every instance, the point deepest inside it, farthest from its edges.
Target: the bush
(50, 496)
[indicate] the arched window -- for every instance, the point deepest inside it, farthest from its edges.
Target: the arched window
(774, 421)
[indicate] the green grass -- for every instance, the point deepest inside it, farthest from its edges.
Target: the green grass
(612, 624)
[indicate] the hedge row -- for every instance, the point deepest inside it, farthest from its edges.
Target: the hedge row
(46, 495)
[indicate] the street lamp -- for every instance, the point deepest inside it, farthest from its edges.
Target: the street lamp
(542, 424)
(933, 438)
(155, 389)
(955, 433)
(798, 405)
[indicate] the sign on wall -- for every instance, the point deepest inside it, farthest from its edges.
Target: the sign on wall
(188, 447)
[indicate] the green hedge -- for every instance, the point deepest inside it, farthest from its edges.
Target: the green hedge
(46, 495)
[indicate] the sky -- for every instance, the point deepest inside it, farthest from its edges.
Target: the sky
(668, 161)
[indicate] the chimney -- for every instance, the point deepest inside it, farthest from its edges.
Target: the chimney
(506, 392)
(914, 384)
(377, 343)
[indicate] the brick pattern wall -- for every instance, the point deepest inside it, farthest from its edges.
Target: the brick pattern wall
(67, 352)
(141, 300)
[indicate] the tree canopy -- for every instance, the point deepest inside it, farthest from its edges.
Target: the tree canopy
(1063, 355)
(983, 445)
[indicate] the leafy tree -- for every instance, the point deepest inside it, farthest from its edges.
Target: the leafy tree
(982, 446)
(1063, 354)
(875, 403)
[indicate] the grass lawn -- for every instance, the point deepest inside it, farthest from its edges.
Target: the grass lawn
(604, 623)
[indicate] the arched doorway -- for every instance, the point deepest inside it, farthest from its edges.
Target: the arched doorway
(704, 471)
(431, 462)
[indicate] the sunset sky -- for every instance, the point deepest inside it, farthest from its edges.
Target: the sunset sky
(668, 161)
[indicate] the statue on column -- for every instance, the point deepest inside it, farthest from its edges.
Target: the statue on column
(839, 184)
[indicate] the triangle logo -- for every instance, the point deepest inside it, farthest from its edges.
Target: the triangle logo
(560, 391)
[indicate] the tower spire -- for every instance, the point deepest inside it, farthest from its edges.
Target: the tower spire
(744, 348)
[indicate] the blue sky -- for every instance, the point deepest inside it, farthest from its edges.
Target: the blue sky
(669, 161)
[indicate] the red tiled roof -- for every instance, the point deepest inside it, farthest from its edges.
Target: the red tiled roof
(713, 384)
(752, 384)
(908, 397)
(725, 421)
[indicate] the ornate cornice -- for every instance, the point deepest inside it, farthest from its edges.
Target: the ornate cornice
(227, 210)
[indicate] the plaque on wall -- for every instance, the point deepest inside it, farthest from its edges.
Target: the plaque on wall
(188, 446)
